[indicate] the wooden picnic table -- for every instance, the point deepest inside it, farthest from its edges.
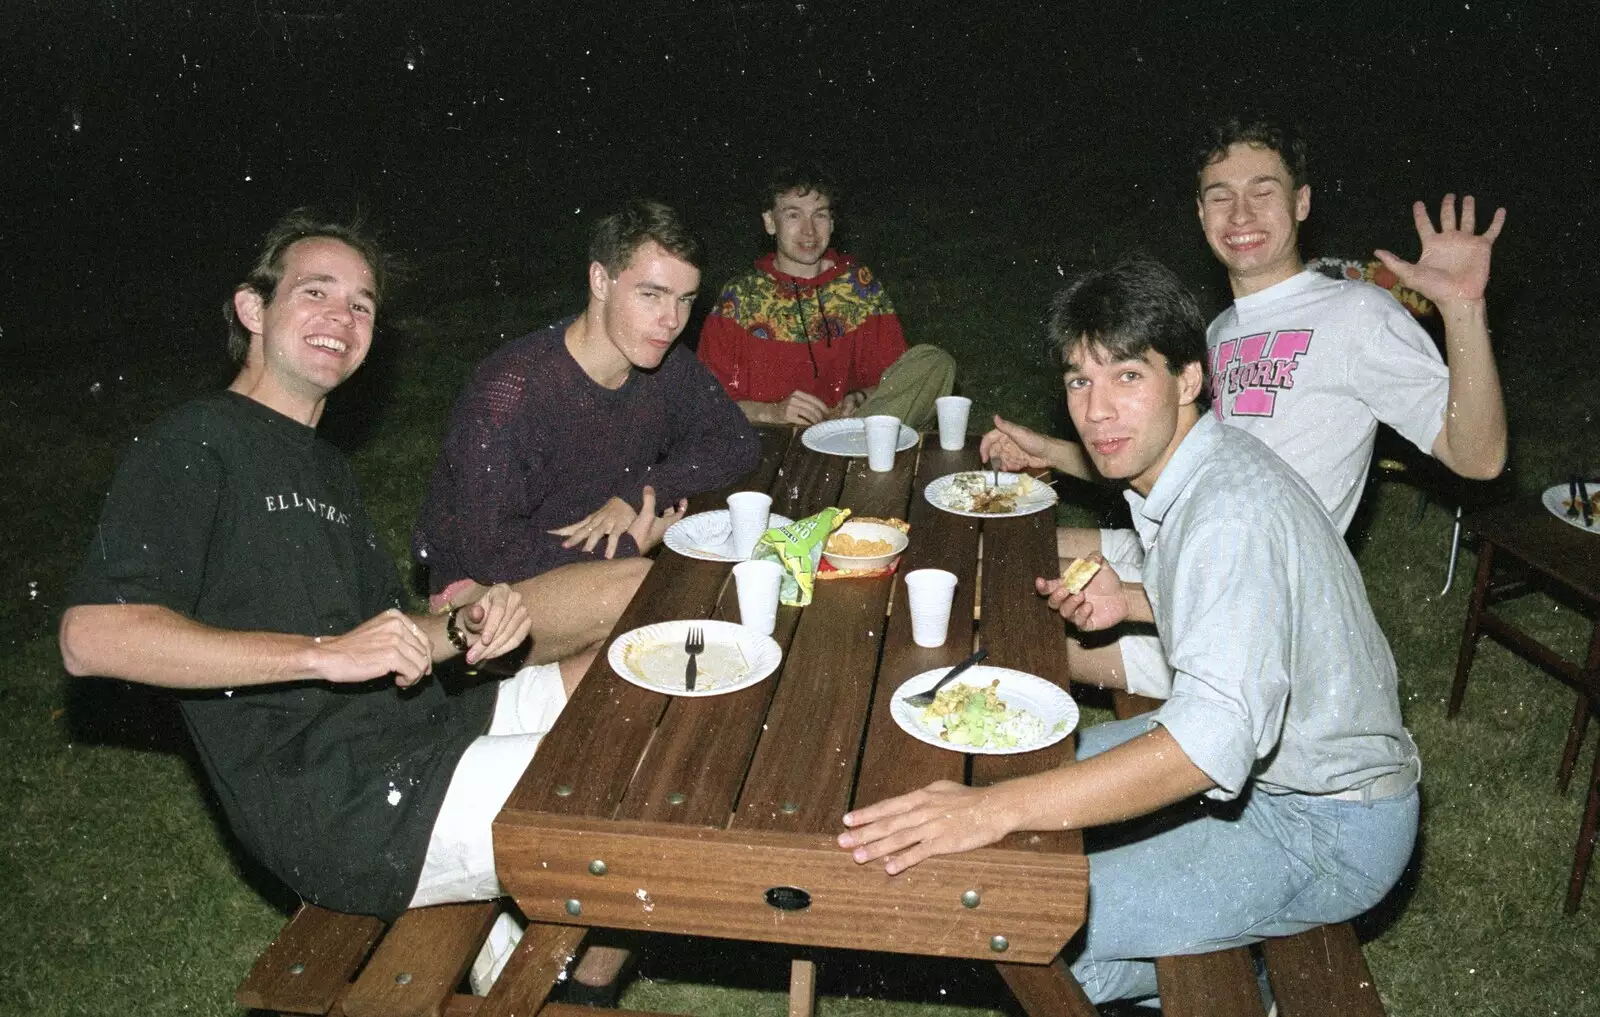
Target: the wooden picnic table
(645, 811)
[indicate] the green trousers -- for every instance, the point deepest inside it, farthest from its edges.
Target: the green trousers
(911, 384)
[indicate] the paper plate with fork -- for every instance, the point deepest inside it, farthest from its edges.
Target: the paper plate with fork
(655, 657)
(1566, 504)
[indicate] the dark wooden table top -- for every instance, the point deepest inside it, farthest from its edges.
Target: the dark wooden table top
(1558, 549)
(688, 815)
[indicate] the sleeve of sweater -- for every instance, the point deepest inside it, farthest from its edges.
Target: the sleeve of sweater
(711, 443)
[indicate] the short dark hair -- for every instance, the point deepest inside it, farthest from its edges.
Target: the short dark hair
(804, 177)
(300, 224)
(1134, 306)
(1260, 132)
(620, 234)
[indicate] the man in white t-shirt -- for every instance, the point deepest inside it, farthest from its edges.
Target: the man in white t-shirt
(1310, 365)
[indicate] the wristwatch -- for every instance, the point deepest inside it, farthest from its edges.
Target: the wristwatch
(458, 639)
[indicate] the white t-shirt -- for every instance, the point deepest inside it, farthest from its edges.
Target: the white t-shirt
(1312, 365)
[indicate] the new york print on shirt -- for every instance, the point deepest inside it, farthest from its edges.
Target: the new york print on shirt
(1251, 370)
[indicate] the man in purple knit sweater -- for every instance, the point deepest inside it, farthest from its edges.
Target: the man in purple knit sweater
(566, 440)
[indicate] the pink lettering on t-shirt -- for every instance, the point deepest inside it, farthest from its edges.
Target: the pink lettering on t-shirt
(1262, 370)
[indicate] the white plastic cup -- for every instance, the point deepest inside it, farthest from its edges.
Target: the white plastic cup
(952, 412)
(929, 593)
(748, 512)
(758, 583)
(883, 434)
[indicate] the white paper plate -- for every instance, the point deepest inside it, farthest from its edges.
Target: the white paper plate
(709, 535)
(942, 493)
(1555, 499)
(848, 437)
(653, 657)
(1018, 690)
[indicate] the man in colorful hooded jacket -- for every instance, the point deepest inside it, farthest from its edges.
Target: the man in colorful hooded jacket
(809, 334)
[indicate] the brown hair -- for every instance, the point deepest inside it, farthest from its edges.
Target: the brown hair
(620, 234)
(300, 224)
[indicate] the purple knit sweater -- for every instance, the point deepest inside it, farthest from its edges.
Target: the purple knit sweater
(536, 444)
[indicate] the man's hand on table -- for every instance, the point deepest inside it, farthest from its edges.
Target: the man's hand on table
(495, 623)
(943, 818)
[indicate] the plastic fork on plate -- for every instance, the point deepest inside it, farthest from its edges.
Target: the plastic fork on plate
(923, 700)
(696, 643)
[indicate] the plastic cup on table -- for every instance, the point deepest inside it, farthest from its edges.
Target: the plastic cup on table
(952, 411)
(748, 512)
(758, 583)
(929, 594)
(883, 434)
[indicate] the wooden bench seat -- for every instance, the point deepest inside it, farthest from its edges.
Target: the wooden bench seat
(1317, 973)
(324, 963)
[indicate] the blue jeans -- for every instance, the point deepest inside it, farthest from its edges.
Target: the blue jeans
(1203, 876)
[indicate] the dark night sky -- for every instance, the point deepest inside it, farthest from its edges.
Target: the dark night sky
(147, 145)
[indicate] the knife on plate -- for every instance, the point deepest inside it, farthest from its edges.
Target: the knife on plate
(1583, 503)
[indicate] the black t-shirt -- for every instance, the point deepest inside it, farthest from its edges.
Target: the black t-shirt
(241, 518)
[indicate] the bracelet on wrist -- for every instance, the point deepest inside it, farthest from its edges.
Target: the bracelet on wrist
(458, 639)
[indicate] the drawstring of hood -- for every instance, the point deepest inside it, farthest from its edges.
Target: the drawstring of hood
(805, 330)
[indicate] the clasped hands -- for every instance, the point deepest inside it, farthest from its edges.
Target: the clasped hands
(394, 643)
(616, 517)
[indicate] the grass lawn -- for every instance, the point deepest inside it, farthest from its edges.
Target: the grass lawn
(123, 895)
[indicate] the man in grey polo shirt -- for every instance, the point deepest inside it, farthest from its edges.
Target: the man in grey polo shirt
(1284, 717)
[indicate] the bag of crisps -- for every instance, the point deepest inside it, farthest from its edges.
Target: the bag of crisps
(798, 548)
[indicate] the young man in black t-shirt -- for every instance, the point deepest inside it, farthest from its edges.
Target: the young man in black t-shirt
(234, 562)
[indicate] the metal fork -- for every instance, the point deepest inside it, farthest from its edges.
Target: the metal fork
(693, 645)
(925, 699)
(1572, 503)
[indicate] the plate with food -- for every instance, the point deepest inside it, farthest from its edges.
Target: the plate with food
(987, 493)
(654, 657)
(848, 437)
(988, 711)
(1567, 505)
(709, 535)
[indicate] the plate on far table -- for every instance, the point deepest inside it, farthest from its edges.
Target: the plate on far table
(973, 493)
(709, 535)
(848, 437)
(1056, 713)
(653, 657)
(1557, 498)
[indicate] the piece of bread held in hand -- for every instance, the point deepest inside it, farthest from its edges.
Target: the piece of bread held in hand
(1077, 575)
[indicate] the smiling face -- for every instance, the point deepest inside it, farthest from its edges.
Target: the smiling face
(314, 332)
(1131, 414)
(801, 224)
(641, 311)
(1251, 213)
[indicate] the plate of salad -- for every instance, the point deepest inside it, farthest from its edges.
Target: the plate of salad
(988, 710)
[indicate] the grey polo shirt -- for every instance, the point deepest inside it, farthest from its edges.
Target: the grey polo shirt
(1280, 670)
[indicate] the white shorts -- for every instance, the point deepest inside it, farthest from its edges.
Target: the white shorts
(460, 861)
(1144, 660)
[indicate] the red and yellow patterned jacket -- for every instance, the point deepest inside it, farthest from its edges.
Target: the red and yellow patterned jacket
(772, 333)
